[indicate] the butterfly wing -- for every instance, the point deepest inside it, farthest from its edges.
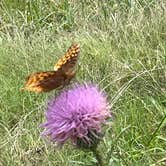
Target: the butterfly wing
(44, 81)
(61, 76)
(68, 62)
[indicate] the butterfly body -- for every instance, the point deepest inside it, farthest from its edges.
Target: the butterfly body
(61, 76)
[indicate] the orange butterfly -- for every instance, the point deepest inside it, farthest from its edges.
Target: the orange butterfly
(61, 76)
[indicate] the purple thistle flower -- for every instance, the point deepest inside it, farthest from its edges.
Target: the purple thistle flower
(76, 114)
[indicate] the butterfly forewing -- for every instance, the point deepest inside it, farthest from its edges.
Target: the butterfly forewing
(69, 60)
(44, 81)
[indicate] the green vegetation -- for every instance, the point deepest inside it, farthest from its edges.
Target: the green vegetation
(123, 49)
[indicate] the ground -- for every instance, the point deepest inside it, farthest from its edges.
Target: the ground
(123, 50)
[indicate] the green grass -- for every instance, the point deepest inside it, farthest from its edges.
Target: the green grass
(123, 49)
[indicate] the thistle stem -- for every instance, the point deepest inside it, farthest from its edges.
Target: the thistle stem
(98, 157)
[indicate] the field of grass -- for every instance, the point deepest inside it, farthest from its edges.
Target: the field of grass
(123, 50)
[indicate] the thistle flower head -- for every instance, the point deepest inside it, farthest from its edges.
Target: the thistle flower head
(76, 114)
